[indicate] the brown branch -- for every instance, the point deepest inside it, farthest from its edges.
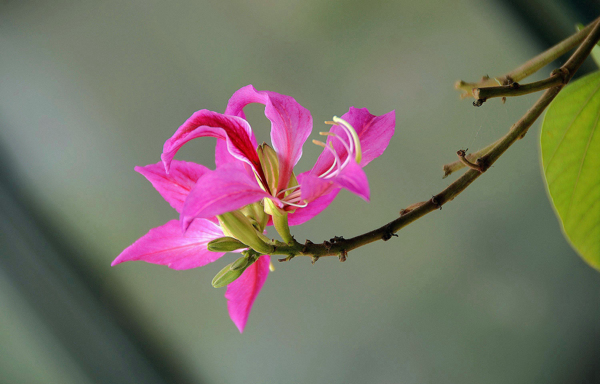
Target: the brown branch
(341, 247)
(516, 89)
(531, 66)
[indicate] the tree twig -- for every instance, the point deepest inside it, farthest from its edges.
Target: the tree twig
(516, 89)
(531, 66)
(341, 246)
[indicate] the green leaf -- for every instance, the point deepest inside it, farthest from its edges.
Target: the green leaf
(595, 54)
(571, 160)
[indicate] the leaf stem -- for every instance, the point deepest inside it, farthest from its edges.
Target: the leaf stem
(340, 247)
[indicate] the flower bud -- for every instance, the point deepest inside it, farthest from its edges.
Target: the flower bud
(270, 166)
(241, 263)
(236, 225)
(226, 276)
(232, 271)
(225, 244)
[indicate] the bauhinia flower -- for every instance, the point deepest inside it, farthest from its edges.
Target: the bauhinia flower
(253, 186)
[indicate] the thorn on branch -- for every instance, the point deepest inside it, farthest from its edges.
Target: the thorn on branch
(327, 245)
(314, 259)
(343, 255)
(290, 257)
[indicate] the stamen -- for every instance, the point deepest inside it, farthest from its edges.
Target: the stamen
(346, 131)
(337, 160)
(330, 168)
(355, 138)
(293, 195)
(288, 189)
(297, 205)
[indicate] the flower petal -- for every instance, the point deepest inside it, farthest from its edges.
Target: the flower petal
(373, 131)
(166, 245)
(242, 292)
(302, 215)
(176, 185)
(236, 131)
(354, 179)
(291, 125)
(223, 190)
(313, 187)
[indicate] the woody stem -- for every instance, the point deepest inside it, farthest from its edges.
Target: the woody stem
(517, 131)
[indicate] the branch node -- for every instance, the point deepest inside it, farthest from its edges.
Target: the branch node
(436, 201)
(462, 156)
(343, 255)
(336, 239)
(327, 245)
(307, 244)
(508, 81)
(388, 233)
(483, 164)
(561, 72)
(479, 102)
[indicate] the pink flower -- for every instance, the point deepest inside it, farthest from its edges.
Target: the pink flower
(247, 173)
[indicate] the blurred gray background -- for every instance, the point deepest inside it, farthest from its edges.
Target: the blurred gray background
(484, 291)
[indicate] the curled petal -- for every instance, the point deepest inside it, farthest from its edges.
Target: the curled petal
(374, 133)
(235, 131)
(223, 190)
(176, 185)
(242, 292)
(291, 125)
(166, 245)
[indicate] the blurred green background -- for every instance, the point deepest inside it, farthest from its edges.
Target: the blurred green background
(485, 291)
